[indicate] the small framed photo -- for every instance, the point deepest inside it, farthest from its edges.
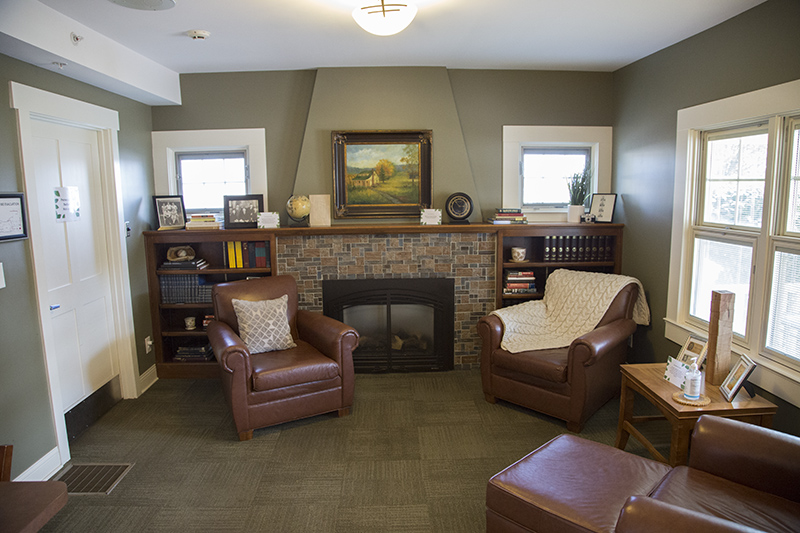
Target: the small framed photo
(170, 212)
(736, 378)
(693, 348)
(603, 207)
(13, 223)
(242, 211)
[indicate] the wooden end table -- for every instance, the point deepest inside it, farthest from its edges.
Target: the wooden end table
(648, 380)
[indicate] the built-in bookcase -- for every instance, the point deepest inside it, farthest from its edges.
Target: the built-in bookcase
(177, 292)
(590, 247)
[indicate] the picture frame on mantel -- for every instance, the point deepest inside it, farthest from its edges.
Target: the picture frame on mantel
(381, 173)
(602, 207)
(242, 211)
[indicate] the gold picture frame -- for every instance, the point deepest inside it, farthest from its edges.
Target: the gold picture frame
(693, 348)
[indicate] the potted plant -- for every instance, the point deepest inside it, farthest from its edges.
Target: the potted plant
(578, 185)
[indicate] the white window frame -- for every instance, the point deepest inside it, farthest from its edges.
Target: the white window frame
(167, 143)
(517, 138)
(766, 104)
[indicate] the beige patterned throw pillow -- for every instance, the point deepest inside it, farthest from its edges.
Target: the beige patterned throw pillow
(263, 325)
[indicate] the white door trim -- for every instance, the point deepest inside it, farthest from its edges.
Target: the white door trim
(35, 103)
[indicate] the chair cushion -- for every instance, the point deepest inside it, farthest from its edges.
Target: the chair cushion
(301, 364)
(549, 365)
(706, 493)
(264, 325)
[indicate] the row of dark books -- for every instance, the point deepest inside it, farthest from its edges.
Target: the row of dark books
(186, 354)
(195, 264)
(508, 216)
(579, 248)
(184, 289)
(519, 282)
(245, 254)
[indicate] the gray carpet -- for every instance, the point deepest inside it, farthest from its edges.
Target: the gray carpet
(414, 456)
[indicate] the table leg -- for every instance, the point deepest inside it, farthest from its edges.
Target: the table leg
(625, 414)
(679, 444)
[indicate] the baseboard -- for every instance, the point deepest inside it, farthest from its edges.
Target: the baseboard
(147, 379)
(43, 469)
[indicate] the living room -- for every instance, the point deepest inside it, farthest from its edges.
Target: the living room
(754, 50)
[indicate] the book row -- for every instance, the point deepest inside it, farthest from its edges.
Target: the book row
(579, 248)
(184, 289)
(245, 254)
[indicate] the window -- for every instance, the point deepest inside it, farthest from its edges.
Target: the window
(545, 172)
(204, 178)
(205, 165)
(737, 193)
(538, 159)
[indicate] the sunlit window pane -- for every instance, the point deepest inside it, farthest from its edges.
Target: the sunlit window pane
(721, 266)
(206, 178)
(783, 327)
(735, 176)
(545, 173)
(793, 218)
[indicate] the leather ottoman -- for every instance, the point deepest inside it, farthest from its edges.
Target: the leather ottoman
(568, 484)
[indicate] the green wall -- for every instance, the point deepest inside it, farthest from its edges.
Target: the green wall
(25, 418)
(757, 49)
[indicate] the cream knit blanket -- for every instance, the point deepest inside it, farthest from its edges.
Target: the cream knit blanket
(573, 304)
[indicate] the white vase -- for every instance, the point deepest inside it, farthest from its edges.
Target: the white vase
(574, 213)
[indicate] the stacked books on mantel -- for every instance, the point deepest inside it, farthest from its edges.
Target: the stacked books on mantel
(202, 221)
(194, 264)
(519, 282)
(508, 216)
(193, 354)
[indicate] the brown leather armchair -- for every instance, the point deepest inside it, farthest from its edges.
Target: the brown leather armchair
(264, 389)
(566, 383)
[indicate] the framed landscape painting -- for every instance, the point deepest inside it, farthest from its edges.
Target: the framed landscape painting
(381, 173)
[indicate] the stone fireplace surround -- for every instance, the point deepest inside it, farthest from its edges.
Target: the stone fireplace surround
(366, 252)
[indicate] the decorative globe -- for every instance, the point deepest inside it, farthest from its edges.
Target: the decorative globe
(298, 208)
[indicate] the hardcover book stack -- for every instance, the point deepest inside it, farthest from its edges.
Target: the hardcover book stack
(194, 264)
(249, 254)
(202, 221)
(579, 248)
(508, 216)
(519, 282)
(193, 354)
(184, 289)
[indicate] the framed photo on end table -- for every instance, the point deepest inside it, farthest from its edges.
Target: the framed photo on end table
(603, 207)
(693, 348)
(736, 378)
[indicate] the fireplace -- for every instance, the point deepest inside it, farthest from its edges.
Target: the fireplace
(405, 325)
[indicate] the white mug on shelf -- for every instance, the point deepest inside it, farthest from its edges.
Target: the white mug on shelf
(518, 254)
(190, 322)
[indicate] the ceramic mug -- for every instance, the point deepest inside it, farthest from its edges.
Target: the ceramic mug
(190, 322)
(518, 254)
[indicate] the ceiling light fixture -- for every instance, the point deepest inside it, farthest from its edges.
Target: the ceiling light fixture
(385, 19)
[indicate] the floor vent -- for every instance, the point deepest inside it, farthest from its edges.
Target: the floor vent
(93, 479)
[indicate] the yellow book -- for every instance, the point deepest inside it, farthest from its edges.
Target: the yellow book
(231, 255)
(239, 263)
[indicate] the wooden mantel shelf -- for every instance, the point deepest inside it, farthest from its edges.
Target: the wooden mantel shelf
(396, 229)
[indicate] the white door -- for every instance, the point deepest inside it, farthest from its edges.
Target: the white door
(74, 258)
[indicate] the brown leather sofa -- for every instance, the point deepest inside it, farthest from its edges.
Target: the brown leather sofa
(566, 383)
(264, 389)
(740, 478)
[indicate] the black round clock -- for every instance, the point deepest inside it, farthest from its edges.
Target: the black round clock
(459, 208)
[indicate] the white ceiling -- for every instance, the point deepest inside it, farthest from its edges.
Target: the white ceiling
(246, 35)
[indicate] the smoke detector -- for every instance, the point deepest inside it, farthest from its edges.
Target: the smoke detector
(146, 5)
(198, 35)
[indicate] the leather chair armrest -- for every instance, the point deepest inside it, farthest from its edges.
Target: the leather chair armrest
(599, 341)
(330, 336)
(229, 349)
(646, 515)
(754, 456)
